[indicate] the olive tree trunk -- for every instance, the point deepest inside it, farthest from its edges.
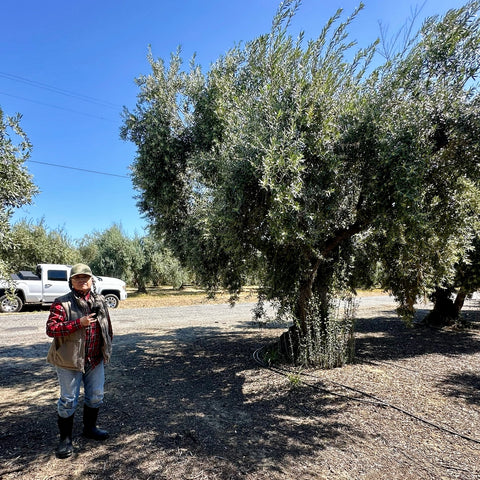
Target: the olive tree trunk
(446, 311)
(323, 332)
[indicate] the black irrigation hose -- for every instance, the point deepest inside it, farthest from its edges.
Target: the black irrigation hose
(374, 401)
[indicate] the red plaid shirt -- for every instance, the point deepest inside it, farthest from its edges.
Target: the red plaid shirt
(59, 326)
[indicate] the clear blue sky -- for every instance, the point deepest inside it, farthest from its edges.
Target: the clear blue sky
(69, 66)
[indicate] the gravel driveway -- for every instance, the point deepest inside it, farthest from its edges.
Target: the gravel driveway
(26, 327)
(31, 325)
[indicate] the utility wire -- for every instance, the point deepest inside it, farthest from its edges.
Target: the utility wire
(58, 107)
(67, 93)
(80, 169)
(60, 91)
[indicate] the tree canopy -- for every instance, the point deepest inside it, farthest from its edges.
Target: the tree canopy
(35, 243)
(288, 152)
(16, 186)
(139, 261)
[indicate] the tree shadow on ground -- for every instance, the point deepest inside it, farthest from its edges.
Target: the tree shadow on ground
(193, 398)
(169, 398)
(23, 365)
(463, 385)
(392, 339)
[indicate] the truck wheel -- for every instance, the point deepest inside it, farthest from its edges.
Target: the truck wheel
(112, 300)
(10, 304)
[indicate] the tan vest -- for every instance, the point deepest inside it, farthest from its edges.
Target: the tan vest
(69, 352)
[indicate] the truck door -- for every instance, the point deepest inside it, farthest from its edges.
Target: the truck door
(55, 284)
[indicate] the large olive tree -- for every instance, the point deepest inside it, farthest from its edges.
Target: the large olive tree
(288, 150)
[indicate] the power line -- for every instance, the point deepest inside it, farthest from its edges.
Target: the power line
(80, 169)
(56, 106)
(60, 91)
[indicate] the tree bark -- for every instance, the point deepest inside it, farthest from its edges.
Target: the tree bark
(445, 311)
(291, 341)
(460, 300)
(309, 335)
(305, 297)
(318, 337)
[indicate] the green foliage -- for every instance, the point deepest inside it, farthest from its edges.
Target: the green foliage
(468, 269)
(295, 380)
(34, 243)
(140, 261)
(108, 253)
(288, 149)
(16, 186)
(154, 264)
(439, 203)
(447, 307)
(271, 355)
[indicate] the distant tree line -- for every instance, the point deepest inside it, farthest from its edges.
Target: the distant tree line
(140, 261)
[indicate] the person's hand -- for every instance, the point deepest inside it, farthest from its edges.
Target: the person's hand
(88, 319)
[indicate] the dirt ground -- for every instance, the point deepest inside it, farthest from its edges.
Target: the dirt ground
(193, 403)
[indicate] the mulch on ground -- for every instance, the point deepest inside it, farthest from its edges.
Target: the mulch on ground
(193, 403)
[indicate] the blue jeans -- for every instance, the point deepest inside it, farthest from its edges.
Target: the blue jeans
(70, 381)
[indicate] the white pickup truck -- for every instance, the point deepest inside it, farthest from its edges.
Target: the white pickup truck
(49, 282)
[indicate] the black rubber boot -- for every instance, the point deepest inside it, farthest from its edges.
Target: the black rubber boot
(65, 447)
(90, 429)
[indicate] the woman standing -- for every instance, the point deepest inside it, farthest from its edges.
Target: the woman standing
(80, 325)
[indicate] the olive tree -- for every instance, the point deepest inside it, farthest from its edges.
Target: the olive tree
(154, 264)
(35, 243)
(108, 253)
(16, 185)
(287, 151)
(427, 251)
(449, 297)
